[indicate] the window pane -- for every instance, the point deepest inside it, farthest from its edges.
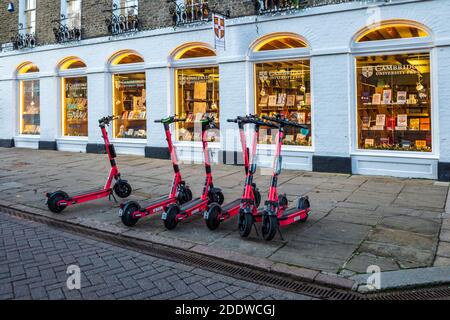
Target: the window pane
(30, 4)
(197, 95)
(30, 107)
(75, 113)
(394, 102)
(130, 105)
(393, 32)
(129, 7)
(31, 21)
(285, 88)
(74, 13)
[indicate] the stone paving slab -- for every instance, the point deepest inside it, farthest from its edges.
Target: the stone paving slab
(406, 278)
(356, 221)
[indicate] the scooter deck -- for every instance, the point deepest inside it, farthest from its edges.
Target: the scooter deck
(156, 201)
(231, 205)
(90, 192)
(289, 212)
(191, 204)
(292, 215)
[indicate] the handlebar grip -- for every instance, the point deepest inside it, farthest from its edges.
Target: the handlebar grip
(180, 120)
(232, 120)
(158, 121)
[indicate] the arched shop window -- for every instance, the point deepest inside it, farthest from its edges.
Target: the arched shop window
(74, 93)
(29, 99)
(129, 95)
(196, 90)
(283, 85)
(394, 110)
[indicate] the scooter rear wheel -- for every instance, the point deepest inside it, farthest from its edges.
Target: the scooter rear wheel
(122, 189)
(245, 223)
(303, 204)
(52, 202)
(212, 220)
(216, 197)
(170, 219)
(283, 201)
(269, 226)
(185, 195)
(127, 214)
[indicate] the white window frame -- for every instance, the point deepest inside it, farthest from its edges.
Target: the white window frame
(281, 55)
(190, 63)
(20, 78)
(23, 17)
(392, 47)
(65, 7)
(121, 8)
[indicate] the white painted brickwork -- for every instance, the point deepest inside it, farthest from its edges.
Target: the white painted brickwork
(329, 30)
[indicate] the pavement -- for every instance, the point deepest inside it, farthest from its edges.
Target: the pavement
(356, 221)
(35, 259)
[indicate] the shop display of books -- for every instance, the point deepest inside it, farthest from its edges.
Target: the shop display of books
(31, 129)
(414, 124)
(425, 124)
(393, 115)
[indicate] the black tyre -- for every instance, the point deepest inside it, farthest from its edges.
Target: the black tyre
(185, 195)
(283, 201)
(257, 196)
(127, 213)
(245, 223)
(303, 204)
(216, 197)
(170, 220)
(53, 200)
(269, 226)
(122, 189)
(213, 215)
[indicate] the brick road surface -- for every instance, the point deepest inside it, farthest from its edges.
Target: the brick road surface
(356, 221)
(34, 259)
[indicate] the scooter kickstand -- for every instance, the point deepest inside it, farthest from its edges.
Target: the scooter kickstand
(281, 235)
(113, 196)
(256, 229)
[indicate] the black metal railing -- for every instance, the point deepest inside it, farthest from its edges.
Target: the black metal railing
(189, 11)
(121, 23)
(274, 6)
(66, 31)
(23, 39)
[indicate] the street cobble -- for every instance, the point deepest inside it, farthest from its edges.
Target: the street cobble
(35, 258)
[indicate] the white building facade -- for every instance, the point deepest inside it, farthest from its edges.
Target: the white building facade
(371, 81)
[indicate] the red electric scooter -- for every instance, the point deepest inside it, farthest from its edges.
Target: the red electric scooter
(247, 206)
(276, 213)
(131, 211)
(59, 200)
(176, 212)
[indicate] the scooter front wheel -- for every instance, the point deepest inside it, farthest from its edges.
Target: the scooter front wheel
(170, 216)
(212, 217)
(245, 223)
(53, 200)
(127, 214)
(122, 189)
(269, 226)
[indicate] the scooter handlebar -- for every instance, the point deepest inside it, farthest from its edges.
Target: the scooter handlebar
(107, 120)
(283, 122)
(254, 119)
(170, 120)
